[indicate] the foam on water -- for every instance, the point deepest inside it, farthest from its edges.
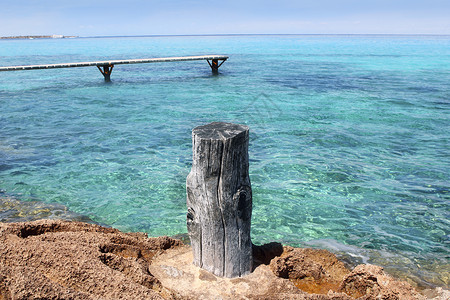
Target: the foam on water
(349, 136)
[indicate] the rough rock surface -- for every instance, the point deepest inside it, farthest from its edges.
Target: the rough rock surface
(73, 260)
(319, 271)
(370, 282)
(311, 270)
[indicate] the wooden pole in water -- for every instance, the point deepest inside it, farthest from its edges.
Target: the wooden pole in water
(107, 69)
(219, 199)
(214, 64)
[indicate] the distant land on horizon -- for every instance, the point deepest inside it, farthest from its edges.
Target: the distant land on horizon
(57, 36)
(30, 37)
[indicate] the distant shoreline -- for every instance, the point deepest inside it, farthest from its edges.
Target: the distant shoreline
(221, 35)
(32, 37)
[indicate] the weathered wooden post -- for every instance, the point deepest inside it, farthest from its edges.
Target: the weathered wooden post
(219, 199)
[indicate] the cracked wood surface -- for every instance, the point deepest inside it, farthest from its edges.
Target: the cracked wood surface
(219, 199)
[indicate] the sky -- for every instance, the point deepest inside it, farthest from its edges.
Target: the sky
(180, 17)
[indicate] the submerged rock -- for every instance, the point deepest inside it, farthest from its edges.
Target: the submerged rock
(50, 259)
(14, 210)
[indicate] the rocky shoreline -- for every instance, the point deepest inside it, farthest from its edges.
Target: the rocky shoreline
(54, 259)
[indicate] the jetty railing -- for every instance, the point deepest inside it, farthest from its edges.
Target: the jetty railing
(106, 66)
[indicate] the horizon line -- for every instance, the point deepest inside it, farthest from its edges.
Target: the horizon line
(265, 34)
(230, 34)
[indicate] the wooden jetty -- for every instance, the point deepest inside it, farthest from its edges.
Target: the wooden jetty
(106, 66)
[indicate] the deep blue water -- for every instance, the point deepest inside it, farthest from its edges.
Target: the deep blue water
(349, 143)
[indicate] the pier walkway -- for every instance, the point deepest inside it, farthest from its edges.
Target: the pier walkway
(106, 66)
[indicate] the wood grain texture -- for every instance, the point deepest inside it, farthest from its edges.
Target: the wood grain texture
(219, 199)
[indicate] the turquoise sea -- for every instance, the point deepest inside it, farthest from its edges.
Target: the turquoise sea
(349, 143)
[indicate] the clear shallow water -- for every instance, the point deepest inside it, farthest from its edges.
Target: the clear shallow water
(349, 142)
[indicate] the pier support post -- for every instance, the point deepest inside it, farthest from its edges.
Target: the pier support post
(214, 64)
(107, 69)
(219, 199)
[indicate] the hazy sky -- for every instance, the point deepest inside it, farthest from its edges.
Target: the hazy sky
(149, 17)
